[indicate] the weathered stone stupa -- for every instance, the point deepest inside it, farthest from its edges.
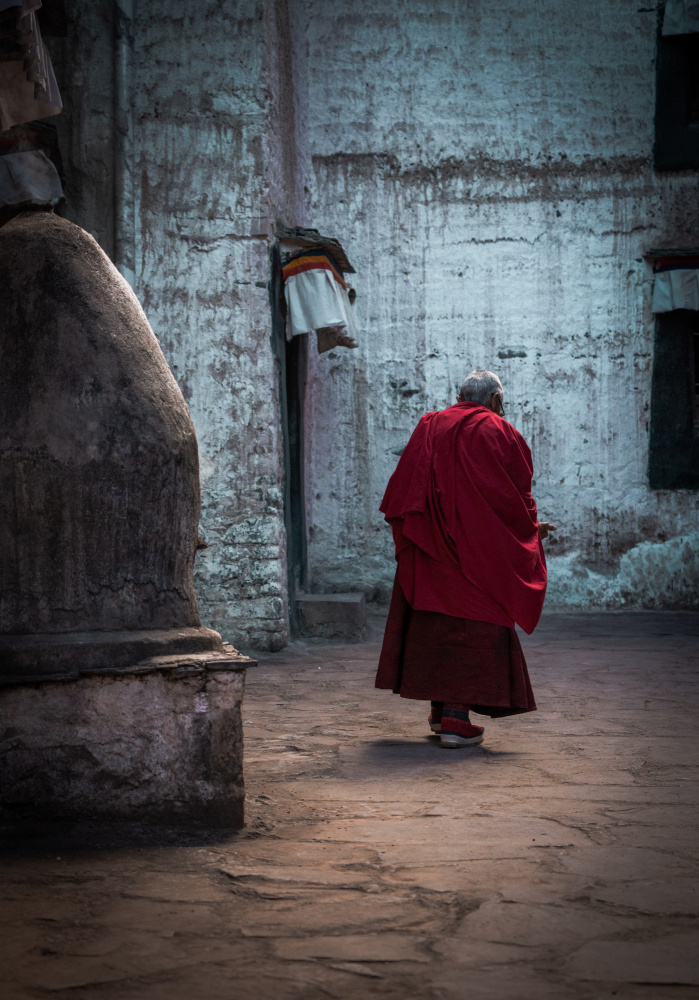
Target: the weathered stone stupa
(114, 698)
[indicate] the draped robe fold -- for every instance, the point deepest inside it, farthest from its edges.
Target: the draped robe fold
(470, 563)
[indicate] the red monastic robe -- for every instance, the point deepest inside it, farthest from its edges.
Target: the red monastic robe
(467, 546)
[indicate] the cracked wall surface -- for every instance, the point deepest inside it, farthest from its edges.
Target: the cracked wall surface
(216, 163)
(204, 168)
(490, 175)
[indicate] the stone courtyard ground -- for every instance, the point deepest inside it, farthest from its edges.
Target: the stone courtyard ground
(559, 860)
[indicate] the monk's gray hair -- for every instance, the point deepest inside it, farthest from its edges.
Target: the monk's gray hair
(479, 386)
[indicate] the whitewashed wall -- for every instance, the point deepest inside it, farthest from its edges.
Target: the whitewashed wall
(217, 164)
(216, 156)
(488, 166)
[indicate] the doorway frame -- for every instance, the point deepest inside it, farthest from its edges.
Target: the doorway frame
(292, 359)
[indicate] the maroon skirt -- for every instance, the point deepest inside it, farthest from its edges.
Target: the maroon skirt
(434, 657)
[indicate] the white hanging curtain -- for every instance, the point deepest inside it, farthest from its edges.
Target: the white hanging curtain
(681, 17)
(317, 299)
(676, 284)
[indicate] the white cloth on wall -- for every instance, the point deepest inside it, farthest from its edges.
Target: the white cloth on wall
(676, 289)
(681, 17)
(28, 88)
(312, 301)
(315, 300)
(29, 177)
(339, 336)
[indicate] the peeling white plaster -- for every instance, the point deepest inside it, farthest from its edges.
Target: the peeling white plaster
(489, 171)
(651, 575)
(205, 174)
(488, 168)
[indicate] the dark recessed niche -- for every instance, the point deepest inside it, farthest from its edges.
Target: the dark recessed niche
(673, 460)
(677, 103)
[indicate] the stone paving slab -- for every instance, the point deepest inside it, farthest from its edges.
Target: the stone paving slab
(557, 861)
(673, 959)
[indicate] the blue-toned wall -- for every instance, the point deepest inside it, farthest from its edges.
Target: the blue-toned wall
(216, 162)
(488, 166)
(203, 113)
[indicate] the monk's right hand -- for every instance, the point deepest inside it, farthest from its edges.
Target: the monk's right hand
(544, 528)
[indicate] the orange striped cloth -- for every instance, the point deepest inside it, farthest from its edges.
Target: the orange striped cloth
(312, 261)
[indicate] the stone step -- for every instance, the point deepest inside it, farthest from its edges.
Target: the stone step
(332, 616)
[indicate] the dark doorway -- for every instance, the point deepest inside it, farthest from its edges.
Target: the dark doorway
(674, 436)
(292, 357)
(677, 102)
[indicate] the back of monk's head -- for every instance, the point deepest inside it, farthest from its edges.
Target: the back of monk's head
(479, 387)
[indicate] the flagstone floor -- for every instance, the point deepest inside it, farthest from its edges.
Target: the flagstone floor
(558, 860)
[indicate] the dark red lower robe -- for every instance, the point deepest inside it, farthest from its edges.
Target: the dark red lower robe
(470, 564)
(434, 657)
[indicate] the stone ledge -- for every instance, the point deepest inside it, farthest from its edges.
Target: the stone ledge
(67, 655)
(178, 665)
(197, 661)
(332, 616)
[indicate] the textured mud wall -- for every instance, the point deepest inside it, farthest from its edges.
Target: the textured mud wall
(202, 259)
(219, 158)
(489, 169)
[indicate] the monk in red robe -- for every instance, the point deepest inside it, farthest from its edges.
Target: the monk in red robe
(470, 565)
